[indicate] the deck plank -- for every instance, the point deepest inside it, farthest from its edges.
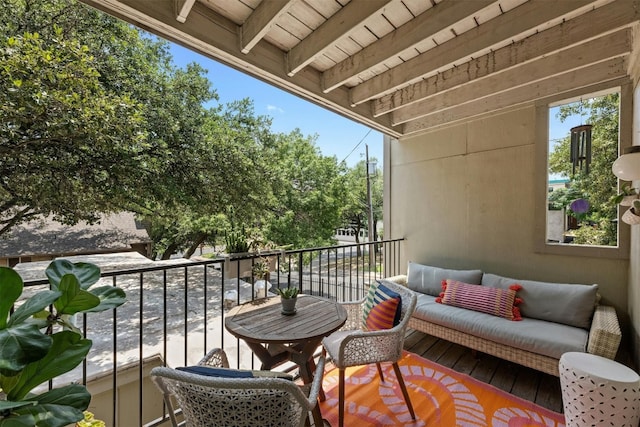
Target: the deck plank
(526, 383)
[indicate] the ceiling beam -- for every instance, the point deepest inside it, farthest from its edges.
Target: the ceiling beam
(584, 27)
(183, 7)
(339, 25)
(613, 70)
(216, 37)
(441, 16)
(503, 27)
(606, 47)
(256, 26)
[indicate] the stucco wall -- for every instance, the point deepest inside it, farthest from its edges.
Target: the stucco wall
(464, 197)
(634, 267)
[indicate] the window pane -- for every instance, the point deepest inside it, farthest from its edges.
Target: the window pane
(583, 143)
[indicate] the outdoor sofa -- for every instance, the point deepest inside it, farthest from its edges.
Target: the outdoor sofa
(555, 318)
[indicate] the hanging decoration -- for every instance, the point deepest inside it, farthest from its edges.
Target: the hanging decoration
(581, 148)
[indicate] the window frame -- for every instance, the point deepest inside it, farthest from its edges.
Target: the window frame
(625, 134)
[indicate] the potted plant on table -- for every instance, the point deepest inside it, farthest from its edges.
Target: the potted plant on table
(39, 342)
(288, 299)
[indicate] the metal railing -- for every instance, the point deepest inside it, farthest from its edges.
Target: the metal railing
(175, 313)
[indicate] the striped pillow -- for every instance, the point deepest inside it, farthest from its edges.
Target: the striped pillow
(495, 301)
(382, 308)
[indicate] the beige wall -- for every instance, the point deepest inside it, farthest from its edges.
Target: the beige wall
(464, 197)
(634, 267)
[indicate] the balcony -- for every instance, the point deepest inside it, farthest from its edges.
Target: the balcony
(175, 312)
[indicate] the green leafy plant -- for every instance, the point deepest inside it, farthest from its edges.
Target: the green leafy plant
(38, 342)
(90, 421)
(626, 190)
(288, 292)
(261, 268)
(236, 241)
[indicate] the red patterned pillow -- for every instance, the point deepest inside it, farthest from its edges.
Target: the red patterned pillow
(382, 315)
(495, 301)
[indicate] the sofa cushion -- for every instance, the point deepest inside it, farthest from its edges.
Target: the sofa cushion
(428, 279)
(534, 335)
(569, 304)
(494, 301)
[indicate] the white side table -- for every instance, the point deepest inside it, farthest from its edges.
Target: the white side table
(597, 391)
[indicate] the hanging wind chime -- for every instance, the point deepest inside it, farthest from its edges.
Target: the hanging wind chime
(581, 147)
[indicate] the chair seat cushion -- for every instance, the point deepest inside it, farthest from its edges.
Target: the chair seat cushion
(232, 373)
(332, 345)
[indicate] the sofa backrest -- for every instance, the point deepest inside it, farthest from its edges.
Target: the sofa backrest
(569, 304)
(428, 279)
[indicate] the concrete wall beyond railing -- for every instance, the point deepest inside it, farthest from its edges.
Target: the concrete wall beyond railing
(128, 394)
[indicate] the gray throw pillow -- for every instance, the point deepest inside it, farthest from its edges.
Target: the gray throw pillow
(428, 279)
(569, 304)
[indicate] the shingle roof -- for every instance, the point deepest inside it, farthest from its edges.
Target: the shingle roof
(115, 232)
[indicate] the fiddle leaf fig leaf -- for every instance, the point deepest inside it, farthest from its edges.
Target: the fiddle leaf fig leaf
(73, 298)
(47, 415)
(34, 305)
(87, 274)
(11, 285)
(20, 345)
(66, 352)
(110, 297)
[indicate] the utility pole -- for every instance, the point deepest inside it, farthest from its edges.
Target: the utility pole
(371, 228)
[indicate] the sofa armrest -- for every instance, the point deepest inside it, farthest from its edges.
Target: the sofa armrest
(400, 279)
(604, 335)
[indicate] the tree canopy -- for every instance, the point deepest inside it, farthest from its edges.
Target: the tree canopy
(96, 119)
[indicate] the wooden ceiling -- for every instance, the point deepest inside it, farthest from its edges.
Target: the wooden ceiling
(402, 66)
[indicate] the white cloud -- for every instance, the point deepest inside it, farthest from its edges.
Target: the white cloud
(271, 108)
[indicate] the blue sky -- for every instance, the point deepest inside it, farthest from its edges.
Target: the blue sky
(337, 136)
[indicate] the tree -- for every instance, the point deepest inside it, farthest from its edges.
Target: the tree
(309, 192)
(598, 227)
(59, 133)
(355, 208)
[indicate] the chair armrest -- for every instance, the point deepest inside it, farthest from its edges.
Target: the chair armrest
(604, 335)
(215, 358)
(316, 385)
(400, 279)
(363, 347)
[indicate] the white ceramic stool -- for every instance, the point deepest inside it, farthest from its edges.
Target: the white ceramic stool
(598, 392)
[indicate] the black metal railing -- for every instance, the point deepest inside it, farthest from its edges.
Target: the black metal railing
(175, 313)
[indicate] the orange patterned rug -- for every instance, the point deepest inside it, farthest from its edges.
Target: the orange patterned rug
(440, 397)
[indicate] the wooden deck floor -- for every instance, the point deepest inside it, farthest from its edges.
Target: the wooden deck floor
(529, 384)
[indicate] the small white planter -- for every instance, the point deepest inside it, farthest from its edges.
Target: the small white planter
(630, 217)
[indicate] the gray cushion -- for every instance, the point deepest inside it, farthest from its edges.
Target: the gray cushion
(537, 336)
(569, 304)
(428, 279)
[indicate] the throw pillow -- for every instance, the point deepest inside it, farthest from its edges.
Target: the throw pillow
(494, 301)
(382, 308)
(382, 315)
(566, 303)
(232, 373)
(427, 279)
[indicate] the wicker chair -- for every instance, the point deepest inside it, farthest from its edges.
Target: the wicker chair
(352, 346)
(259, 401)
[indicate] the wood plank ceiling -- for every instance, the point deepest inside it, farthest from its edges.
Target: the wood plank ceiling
(402, 66)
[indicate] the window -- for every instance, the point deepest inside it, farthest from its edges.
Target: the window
(582, 141)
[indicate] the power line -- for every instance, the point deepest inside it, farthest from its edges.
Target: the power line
(354, 148)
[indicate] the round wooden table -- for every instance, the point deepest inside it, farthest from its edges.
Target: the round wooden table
(276, 338)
